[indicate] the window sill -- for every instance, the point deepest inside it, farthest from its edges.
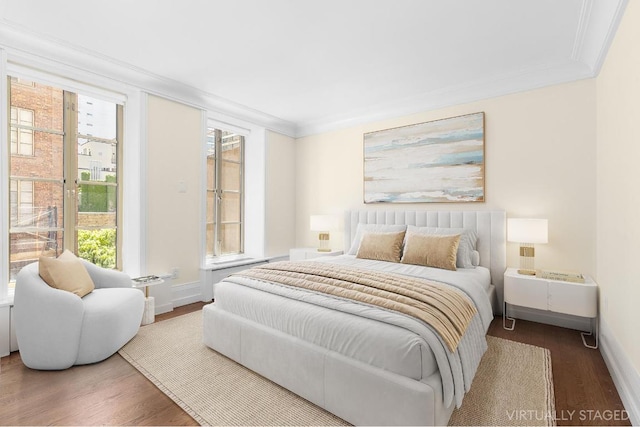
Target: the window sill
(7, 301)
(229, 262)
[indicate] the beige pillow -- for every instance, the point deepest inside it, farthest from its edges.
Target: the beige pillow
(66, 273)
(381, 246)
(431, 250)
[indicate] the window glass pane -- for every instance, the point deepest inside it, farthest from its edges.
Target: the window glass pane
(98, 246)
(211, 173)
(26, 117)
(97, 161)
(231, 239)
(211, 199)
(39, 206)
(35, 223)
(26, 247)
(44, 102)
(98, 200)
(230, 176)
(96, 117)
(232, 147)
(231, 207)
(14, 141)
(97, 189)
(47, 161)
(211, 252)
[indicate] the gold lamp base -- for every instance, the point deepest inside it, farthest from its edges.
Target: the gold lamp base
(323, 238)
(527, 259)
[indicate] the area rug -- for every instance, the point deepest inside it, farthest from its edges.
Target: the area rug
(513, 385)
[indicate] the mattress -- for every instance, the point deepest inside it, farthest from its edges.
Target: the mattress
(377, 343)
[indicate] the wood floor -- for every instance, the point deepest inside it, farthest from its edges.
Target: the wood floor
(114, 393)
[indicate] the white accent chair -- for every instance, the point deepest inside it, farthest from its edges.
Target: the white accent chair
(57, 329)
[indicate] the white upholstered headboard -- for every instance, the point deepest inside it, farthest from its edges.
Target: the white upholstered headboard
(490, 226)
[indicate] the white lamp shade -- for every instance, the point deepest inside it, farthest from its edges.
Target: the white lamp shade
(324, 223)
(527, 230)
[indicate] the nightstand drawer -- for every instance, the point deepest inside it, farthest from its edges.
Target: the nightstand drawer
(525, 292)
(577, 299)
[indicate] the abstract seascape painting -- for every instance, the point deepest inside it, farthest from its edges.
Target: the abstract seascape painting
(438, 161)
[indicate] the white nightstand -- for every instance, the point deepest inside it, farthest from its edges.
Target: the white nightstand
(577, 299)
(300, 254)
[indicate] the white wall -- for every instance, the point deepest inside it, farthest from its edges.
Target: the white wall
(540, 149)
(280, 195)
(174, 156)
(618, 196)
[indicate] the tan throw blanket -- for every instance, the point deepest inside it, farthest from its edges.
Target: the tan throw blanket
(445, 308)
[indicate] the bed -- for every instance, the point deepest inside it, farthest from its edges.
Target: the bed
(365, 364)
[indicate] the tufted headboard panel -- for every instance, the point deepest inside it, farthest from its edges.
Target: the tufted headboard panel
(490, 226)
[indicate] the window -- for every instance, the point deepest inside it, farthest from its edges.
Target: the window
(22, 131)
(62, 195)
(21, 201)
(225, 193)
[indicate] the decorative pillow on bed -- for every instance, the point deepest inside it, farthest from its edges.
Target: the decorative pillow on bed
(377, 228)
(381, 246)
(66, 273)
(431, 250)
(468, 238)
(475, 258)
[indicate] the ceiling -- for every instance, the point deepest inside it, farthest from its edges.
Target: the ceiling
(317, 65)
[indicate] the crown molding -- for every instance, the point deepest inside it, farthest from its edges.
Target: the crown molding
(491, 87)
(597, 25)
(30, 49)
(578, 43)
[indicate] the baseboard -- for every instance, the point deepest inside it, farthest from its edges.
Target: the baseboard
(550, 318)
(186, 293)
(624, 375)
(164, 308)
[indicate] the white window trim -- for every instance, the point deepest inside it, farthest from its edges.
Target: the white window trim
(5, 151)
(254, 188)
(134, 166)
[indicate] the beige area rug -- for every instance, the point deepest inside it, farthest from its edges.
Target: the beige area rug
(513, 385)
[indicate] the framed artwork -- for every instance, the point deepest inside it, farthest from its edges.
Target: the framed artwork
(438, 161)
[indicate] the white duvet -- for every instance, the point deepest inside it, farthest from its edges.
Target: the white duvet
(382, 338)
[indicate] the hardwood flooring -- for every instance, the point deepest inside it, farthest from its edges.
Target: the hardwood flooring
(111, 392)
(114, 393)
(584, 391)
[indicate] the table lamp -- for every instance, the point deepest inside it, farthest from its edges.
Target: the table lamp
(323, 224)
(527, 232)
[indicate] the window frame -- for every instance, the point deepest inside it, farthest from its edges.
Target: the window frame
(131, 197)
(218, 192)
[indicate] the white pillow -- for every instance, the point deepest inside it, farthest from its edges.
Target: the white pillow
(468, 238)
(376, 228)
(475, 258)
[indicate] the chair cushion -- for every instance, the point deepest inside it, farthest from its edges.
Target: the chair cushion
(66, 273)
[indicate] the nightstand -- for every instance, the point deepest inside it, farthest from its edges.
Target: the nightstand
(577, 299)
(300, 254)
